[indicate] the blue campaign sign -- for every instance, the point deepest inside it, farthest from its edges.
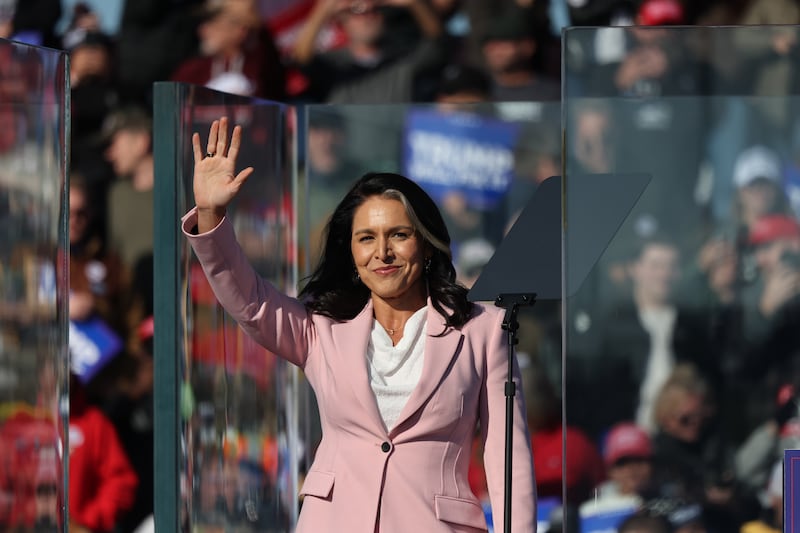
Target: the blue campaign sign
(92, 344)
(604, 522)
(791, 490)
(465, 152)
(604, 515)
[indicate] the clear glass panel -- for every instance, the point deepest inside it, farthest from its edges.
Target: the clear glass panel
(33, 287)
(481, 163)
(685, 324)
(237, 446)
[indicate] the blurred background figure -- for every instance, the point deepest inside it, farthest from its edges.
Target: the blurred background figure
(30, 21)
(628, 455)
(102, 483)
(237, 53)
(509, 46)
(365, 69)
(98, 283)
(641, 336)
(693, 462)
(460, 85)
(153, 38)
(93, 96)
(330, 170)
(128, 133)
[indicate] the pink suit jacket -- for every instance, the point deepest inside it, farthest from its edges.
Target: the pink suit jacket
(364, 478)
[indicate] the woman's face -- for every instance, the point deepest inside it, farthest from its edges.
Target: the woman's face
(388, 253)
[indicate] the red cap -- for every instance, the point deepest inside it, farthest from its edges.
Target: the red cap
(660, 13)
(627, 440)
(772, 227)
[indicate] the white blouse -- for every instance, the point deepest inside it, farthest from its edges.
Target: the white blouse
(394, 371)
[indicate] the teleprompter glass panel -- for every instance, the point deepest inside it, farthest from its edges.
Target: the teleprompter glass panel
(233, 427)
(680, 332)
(33, 287)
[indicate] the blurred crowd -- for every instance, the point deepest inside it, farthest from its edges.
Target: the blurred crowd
(682, 345)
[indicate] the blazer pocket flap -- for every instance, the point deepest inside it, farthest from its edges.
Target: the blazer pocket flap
(460, 511)
(317, 483)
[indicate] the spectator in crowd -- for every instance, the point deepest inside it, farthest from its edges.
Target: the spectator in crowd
(97, 277)
(535, 15)
(584, 466)
(93, 96)
(363, 71)
(643, 337)
(772, 52)
(462, 86)
(237, 53)
(729, 283)
(509, 46)
(692, 461)
(758, 454)
(628, 455)
(654, 67)
(30, 21)
(127, 401)
(102, 483)
(682, 451)
(758, 178)
(771, 332)
(154, 37)
(128, 132)
(330, 169)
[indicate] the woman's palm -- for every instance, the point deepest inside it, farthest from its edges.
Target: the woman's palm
(215, 181)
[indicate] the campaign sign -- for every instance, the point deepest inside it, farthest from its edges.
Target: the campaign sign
(92, 344)
(791, 490)
(603, 516)
(463, 152)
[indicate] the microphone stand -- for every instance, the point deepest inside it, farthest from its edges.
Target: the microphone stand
(511, 303)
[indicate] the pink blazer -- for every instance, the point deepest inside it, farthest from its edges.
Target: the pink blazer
(364, 478)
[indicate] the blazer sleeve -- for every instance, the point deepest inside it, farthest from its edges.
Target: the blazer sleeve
(276, 321)
(493, 427)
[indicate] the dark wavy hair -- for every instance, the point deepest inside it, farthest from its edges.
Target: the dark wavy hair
(335, 291)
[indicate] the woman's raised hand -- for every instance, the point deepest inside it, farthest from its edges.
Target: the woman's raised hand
(215, 183)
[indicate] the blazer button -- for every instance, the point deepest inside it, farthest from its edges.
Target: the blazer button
(385, 447)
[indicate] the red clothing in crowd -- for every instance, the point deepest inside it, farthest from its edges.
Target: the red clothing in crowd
(102, 483)
(584, 470)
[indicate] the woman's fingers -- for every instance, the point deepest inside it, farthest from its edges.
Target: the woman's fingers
(222, 137)
(198, 154)
(212, 137)
(242, 176)
(236, 141)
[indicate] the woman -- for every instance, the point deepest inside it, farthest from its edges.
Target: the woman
(404, 367)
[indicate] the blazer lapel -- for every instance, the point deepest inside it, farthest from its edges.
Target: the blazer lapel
(352, 339)
(439, 352)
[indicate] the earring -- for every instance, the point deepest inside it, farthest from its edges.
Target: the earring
(356, 277)
(428, 265)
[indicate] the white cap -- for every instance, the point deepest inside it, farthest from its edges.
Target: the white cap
(756, 162)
